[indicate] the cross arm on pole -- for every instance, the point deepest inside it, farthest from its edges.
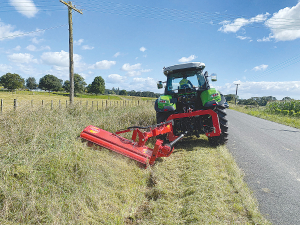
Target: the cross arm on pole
(70, 6)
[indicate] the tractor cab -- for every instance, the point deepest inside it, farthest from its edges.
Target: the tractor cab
(187, 88)
(185, 78)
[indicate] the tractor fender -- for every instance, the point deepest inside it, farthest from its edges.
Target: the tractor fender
(166, 108)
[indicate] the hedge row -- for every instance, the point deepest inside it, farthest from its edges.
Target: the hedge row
(293, 105)
(287, 112)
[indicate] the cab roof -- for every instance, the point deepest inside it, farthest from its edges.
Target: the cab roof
(186, 69)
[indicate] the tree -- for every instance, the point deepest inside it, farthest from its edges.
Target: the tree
(50, 83)
(79, 84)
(286, 99)
(66, 86)
(123, 92)
(109, 92)
(12, 81)
(230, 97)
(31, 83)
(97, 86)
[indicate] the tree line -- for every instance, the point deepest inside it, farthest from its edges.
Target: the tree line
(13, 81)
(259, 101)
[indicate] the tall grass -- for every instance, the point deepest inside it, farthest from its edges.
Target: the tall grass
(48, 176)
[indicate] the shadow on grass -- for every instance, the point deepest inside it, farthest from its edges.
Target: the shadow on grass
(189, 143)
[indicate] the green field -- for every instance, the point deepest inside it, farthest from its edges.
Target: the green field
(38, 99)
(48, 176)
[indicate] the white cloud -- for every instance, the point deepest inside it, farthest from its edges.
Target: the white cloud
(6, 31)
(238, 23)
(86, 47)
(117, 54)
(103, 65)
(17, 48)
(79, 42)
(285, 23)
(266, 39)
(33, 48)
(188, 59)
(5, 68)
(25, 7)
(133, 73)
(259, 89)
(139, 83)
(115, 79)
(128, 67)
(261, 67)
(243, 37)
(59, 59)
(142, 49)
(36, 41)
(22, 58)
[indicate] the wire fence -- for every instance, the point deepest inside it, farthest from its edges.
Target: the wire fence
(16, 104)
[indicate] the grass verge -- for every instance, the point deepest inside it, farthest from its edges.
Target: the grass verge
(262, 113)
(49, 176)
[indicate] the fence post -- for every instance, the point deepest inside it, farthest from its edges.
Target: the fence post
(1, 105)
(15, 104)
(42, 103)
(66, 103)
(138, 102)
(51, 104)
(92, 105)
(106, 103)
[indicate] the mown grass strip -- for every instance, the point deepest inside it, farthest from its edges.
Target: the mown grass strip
(49, 176)
(198, 185)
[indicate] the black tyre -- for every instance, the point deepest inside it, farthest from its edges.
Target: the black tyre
(162, 116)
(222, 139)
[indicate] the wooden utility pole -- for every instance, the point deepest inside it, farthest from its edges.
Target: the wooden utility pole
(236, 92)
(71, 66)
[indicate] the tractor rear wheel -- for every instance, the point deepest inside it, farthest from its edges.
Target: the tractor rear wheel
(162, 117)
(222, 139)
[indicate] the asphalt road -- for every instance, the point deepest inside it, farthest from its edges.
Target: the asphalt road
(269, 155)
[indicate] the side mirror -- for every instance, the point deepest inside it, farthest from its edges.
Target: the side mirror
(213, 77)
(160, 85)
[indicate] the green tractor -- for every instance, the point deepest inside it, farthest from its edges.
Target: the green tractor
(193, 107)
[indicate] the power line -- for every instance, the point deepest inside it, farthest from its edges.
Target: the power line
(31, 32)
(173, 14)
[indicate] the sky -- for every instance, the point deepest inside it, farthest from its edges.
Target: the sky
(128, 42)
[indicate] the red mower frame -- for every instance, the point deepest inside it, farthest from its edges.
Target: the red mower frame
(137, 149)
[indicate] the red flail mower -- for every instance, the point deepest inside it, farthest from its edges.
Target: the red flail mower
(136, 148)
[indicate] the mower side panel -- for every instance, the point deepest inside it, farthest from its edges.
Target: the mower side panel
(117, 143)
